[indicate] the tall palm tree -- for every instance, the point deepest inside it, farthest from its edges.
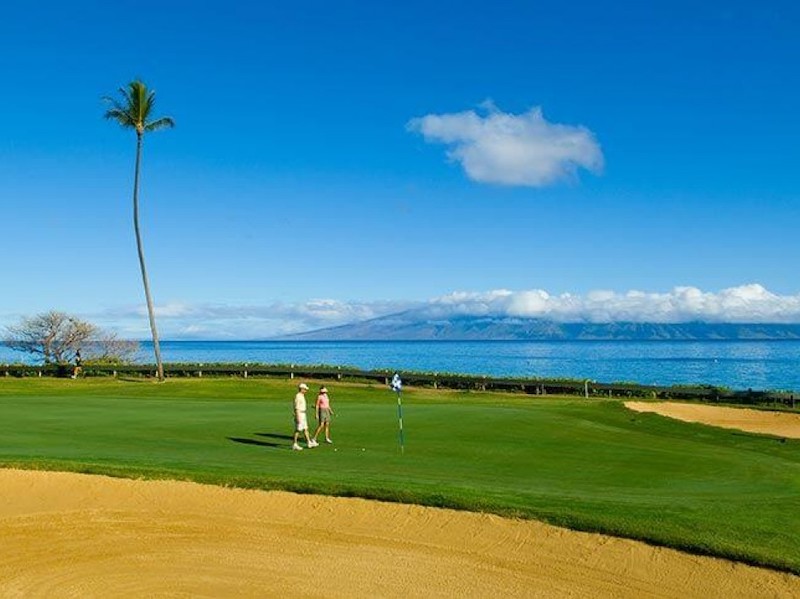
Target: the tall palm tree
(133, 111)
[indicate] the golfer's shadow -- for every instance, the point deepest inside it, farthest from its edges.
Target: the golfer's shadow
(260, 443)
(274, 436)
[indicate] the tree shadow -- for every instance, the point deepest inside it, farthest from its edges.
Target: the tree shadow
(256, 442)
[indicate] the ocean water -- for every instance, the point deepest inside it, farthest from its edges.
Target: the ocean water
(761, 365)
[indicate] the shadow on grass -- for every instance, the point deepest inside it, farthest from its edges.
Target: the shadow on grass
(750, 435)
(274, 436)
(257, 442)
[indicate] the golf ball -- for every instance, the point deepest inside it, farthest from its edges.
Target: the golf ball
(362, 449)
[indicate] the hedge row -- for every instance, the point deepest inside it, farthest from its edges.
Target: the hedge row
(531, 386)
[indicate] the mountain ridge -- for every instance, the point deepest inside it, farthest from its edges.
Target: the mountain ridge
(414, 326)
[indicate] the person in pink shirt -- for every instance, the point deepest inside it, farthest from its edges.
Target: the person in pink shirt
(324, 413)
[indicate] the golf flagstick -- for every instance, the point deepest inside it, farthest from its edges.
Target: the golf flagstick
(397, 387)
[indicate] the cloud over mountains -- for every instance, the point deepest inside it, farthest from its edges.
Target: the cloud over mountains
(512, 149)
(747, 303)
(744, 304)
(179, 320)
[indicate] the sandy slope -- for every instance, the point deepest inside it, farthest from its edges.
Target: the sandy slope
(781, 424)
(71, 535)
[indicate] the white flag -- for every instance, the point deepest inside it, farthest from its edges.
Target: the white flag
(396, 383)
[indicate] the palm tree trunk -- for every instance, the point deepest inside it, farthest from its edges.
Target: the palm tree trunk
(150, 313)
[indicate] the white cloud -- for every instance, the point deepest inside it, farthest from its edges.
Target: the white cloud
(223, 321)
(511, 149)
(747, 303)
(180, 320)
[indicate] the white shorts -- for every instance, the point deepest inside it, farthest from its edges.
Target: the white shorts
(301, 422)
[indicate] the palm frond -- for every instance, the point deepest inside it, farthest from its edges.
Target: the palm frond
(125, 93)
(121, 116)
(135, 107)
(135, 95)
(164, 122)
(116, 112)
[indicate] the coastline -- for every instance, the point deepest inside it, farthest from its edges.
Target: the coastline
(739, 365)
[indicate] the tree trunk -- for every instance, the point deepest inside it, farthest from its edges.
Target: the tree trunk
(150, 313)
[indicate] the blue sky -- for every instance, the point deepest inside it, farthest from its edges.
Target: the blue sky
(340, 160)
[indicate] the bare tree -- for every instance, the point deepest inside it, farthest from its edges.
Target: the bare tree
(56, 337)
(108, 348)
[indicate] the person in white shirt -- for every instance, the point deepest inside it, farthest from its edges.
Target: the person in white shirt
(300, 420)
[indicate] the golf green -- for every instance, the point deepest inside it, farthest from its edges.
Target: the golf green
(589, 465)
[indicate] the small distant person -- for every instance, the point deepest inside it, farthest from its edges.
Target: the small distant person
(76, 370)
(300, 420)
(324, 413)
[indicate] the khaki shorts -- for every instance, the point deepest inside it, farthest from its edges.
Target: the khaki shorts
(324, 415)
(300, 422)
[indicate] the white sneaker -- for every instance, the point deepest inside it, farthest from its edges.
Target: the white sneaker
(328, 441)
(297, 447)
(312, 443)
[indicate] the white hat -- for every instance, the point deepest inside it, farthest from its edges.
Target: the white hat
(323, 390)
(303, 386)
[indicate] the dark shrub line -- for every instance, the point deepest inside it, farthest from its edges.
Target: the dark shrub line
(529, 386)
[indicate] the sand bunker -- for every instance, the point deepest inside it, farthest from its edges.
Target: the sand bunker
(72, 535)
(781, 424)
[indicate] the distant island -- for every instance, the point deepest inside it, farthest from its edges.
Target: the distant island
(417, 326)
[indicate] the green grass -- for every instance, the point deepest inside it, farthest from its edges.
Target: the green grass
(589, 465)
